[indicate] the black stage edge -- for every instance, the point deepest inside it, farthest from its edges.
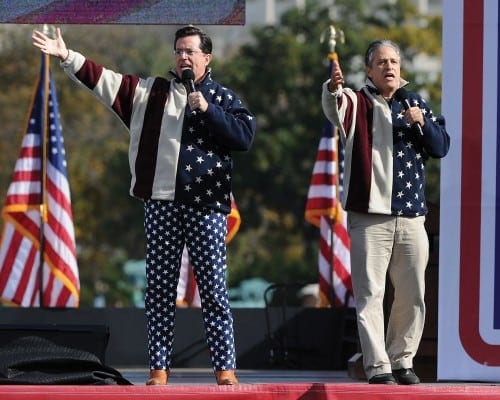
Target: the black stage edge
(281, 338)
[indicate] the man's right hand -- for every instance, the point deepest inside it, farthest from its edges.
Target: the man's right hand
(336, 78)
(54, 47)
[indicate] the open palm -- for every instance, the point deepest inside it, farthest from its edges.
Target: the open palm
(54, 47)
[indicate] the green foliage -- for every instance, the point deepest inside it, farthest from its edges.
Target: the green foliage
(278, 75)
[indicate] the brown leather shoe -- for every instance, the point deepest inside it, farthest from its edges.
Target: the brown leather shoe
(226, 377)
(157, 377)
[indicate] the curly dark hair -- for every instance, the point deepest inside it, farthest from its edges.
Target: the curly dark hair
(190, 30)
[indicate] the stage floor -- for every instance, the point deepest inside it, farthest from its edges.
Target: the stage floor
(194, 384)
(204, 376)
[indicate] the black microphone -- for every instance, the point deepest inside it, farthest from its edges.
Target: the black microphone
(402, 95)
(188, 80)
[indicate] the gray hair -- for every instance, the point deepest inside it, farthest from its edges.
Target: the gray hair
(373, 46)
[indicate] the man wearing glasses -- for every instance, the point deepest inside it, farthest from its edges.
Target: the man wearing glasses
(180, 161)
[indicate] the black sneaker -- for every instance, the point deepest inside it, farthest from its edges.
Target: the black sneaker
(382, 379)
(406, 376)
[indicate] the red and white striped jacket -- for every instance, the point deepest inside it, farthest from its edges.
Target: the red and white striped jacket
(174, 154)
(384, 155)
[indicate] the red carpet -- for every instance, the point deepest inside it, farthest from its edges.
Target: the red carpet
(267, 391)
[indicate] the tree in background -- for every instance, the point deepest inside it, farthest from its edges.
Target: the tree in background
(279, 75)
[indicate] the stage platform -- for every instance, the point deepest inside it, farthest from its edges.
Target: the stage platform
(192, 383)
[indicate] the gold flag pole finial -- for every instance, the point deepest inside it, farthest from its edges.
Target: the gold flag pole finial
(330, 36)
(49, 30)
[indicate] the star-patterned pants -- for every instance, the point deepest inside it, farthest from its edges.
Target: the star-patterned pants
(168, 226)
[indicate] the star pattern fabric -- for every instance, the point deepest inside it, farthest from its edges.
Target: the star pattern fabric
(408, 197)
(205, 161)
(168, 226)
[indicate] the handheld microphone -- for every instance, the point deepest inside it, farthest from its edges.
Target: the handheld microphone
(402, 95)
(188, 80)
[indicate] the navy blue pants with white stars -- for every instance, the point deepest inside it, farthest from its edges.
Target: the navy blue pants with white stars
(168, 226)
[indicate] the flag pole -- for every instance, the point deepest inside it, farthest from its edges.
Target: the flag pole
(331, 35)
(48, 30)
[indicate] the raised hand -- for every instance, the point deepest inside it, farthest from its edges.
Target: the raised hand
(54, 47)
(336, 78)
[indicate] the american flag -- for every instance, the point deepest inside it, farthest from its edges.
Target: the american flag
(38, 221)
(324, 211)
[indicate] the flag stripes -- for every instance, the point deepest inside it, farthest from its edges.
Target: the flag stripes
(321, 197)
(323, 210)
